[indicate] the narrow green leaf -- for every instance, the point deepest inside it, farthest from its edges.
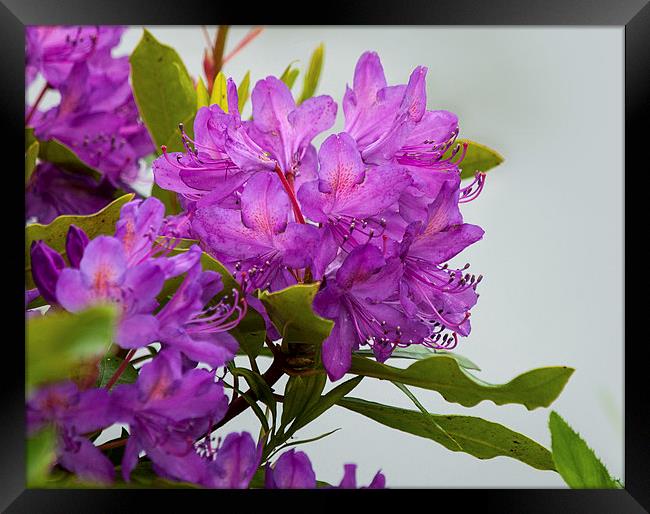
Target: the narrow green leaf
(102, 222)
(478, 437)
(291, 311)
(259, 387)
(313, 74)
(575, 461)
(290, 74)
(429, 418)
(59, 342)
(242, 91)
(163, 90)
(478, 158)
(219, 94)
(41, 453)
(536, 388)
(107, 368)
(324, 403)
(301, 394)
(64, 157)
(30, 160)
(202, 96)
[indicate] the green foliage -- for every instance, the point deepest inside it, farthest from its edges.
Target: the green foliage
(300, 395)
(289, 75)
(575, 461)
(107, 368)
(30, 159)
(58, 343)
(536, 388)
(102, 222)
(312, 76)
(476, 436)
(163, 91)
(41, 453)
(417, 352)
(478, 158)
(243, 91)
(219, 94)
(291, 312)
(202, 96)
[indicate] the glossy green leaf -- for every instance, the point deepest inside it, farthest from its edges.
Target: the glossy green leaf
(30, 160)
(418, 352)
(289, 75)
(575, 461)
(41, 454)
(163, 90)
(324, 403)
(536, 388)
(219, 92)
(478, 158)
(107, 368)
(312, 76)
(243, 91)
(291, 311)
(301, 394)
(64, 157)
(54, 234)
(478, 437)
(202, 96)
(251, 331)
(58, 342)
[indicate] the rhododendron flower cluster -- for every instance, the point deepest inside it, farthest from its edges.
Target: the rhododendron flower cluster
(373, 213)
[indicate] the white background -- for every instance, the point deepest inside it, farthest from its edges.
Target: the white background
(551, 101)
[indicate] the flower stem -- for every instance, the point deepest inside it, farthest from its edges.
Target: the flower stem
(46, 87)
(120, 370)
(252, 34)
(292, 195)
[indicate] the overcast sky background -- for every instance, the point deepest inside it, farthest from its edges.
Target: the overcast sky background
(551, 101)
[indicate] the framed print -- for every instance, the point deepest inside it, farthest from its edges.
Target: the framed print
(382, 249)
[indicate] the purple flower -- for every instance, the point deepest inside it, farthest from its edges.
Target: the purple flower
(75, 413)
(52, 192)
(46, 268)
(428, 289)
(293, 470)
(201, 333)
(349, 197)
(166, 411)
(258, 240)
(234, 463)
(362, 300)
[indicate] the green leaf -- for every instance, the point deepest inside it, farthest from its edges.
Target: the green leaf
(536, 388)
(575, 461)
(324, 403)
(219, 93)
(289, 75)
(107, 368)
(292, 314)
(168, 198)
(163, 90)
(301, 394)
(258, 386)
(102, 222)
(58, 342)
(313, 74)
(437, 428)
(251, 331)
(478, 437)
(418, 352)
(41, 454)
(30, 160)
(478, 158)
(202, 96)
(242, 91)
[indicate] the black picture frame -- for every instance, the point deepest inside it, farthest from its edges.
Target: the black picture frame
(634, 15)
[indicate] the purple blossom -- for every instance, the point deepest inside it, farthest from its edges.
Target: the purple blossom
(46, 268)
(258, 239)
(361, 298)
(293, 470)
(75, 413)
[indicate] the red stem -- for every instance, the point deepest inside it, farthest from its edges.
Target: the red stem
(120, 370)
(38, 101)
(292, 195)
(252, 34)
